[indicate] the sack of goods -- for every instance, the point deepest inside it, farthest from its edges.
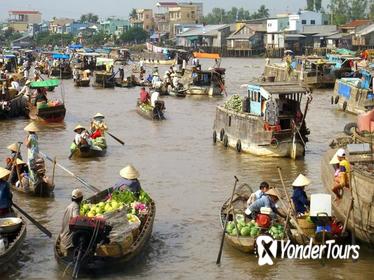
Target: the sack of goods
(234, 103)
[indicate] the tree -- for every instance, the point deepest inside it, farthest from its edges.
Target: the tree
(310, 5)
(262, 12)
(46, 38)
(89, 18)
(371, 10)
(133, 14)
(134, 35)
(358, 9)
(340, 11)
(317, 5)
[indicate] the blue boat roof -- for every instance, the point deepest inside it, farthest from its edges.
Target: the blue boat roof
(60, 56)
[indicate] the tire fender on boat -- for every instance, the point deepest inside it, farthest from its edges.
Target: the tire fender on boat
(274, 143)
(332, 100)
(348, 128)
(239, 146)
(225, 141)
(214, 136)
(221, 134)
(337, 99)
(344, 105)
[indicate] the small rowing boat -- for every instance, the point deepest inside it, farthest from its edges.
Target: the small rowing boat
(149, 112)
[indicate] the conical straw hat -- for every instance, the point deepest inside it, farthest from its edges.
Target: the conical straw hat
(78, 127)
(301, 181)
(20, 162)
(4, 172)
(272, 192)
(129, 172)
(99, 115)
(334, 159)
(13, 147)
(31, 127)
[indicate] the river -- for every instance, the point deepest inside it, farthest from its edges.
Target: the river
(187, 175)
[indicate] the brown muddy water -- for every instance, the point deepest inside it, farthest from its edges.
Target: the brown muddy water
(186, 174)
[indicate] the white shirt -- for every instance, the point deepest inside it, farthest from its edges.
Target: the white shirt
(25, 91)
(15, 85)
(154, 98)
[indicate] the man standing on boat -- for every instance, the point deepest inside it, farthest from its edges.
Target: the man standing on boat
(342, 178)
(32, 145)
(26, 91)
(66, 236)
(13, 148)
(5, 193)
(299, 197)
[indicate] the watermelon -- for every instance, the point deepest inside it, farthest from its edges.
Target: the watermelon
(229, 227)
(255, 231)
(245, 231)
(234, 232)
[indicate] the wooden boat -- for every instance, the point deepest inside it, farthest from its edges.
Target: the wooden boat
(104, 79)
(82, 83)
(208, 83)
(354, 95)
(266, 124)
(245, 244)
(103, 258)
(89, 152)
(158, 61)
(177, 93)
(13, 107)
(53, 111)
(149, 112)
(361, 219)
(15, 240)
(64, 74)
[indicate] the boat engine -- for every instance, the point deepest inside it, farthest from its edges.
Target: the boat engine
(87, 234)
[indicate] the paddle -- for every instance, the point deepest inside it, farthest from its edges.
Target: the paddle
(115, 138)
(225, 224)
(90, 187)
(31, 219)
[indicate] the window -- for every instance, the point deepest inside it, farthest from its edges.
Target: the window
(188, 15)
(303, 21)
(312, 21)
(229, 120)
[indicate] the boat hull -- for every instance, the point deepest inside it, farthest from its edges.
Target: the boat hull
(82, 83)
(204, 91)
(50, 114)
(363, 195)
(14, 108)
(352, 99)
(11, 254)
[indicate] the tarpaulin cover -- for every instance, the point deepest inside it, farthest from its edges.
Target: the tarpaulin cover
(206, 55)
(45, 83)
(60, 56)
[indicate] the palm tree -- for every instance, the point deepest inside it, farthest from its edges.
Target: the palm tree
(263, 12)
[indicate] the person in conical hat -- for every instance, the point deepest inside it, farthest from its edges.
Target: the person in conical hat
(129, 180)
(22, 171)
(82, 136)
(5, 193)
(98, 126)
(31, 142)
(299, 197)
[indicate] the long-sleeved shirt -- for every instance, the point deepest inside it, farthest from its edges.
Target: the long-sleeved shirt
(66, 237)
(300, 200)
(264, 201)
(132, 185)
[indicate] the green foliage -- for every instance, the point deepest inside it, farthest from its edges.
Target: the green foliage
(46, 38)
(310, 5)
(358, 9)
(343, 11)
(97, 39)
(89, 18)
(132, 14)
(218, 15)
(9, 35)
(371, 10)
(134, 35)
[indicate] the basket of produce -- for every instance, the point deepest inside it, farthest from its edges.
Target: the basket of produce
(234, 103)
(306, 224)
(8, 225)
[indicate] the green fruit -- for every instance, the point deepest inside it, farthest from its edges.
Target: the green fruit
(234, 232)
(101, 204)
(115, 205)
(245, 231)
(91, 214)
(86, 207)
(230, 226)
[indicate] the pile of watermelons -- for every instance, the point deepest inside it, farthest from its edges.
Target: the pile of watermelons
(234, 103)
(243, 229)
(277, 231)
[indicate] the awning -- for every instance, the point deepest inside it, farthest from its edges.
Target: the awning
(60, 56)
(206, 55)
(193, 38)
(104, 61)
(45, 83)
(75, 46)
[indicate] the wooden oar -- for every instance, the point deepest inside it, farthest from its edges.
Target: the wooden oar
(115, 138)
(225, 224)
(90, 187)
(31, 219)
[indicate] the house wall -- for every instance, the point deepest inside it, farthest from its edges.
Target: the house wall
(275, 40)
(276, 25)
(297, 21)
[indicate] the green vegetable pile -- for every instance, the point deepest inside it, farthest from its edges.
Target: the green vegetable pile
(234, 103)
(277, 231)
(146, 107)
(243, 229)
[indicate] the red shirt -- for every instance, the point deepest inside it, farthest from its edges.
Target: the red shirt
(144, 96)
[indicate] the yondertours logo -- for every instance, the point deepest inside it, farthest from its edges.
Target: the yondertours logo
(267, 249)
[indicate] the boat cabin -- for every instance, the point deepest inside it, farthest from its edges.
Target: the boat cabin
(277, 103)
(207, 78)
(8, 62)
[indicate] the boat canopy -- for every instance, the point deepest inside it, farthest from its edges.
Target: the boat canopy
(268, 89)
(45, 83)
(75, 46)
(104, 61)
(60, 56)
(206, 55)
(90, 54)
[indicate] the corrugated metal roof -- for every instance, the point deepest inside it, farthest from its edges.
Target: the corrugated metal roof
(208, 30)
(314, 29)
(367, 30)
(283, 88)
(356, 23)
